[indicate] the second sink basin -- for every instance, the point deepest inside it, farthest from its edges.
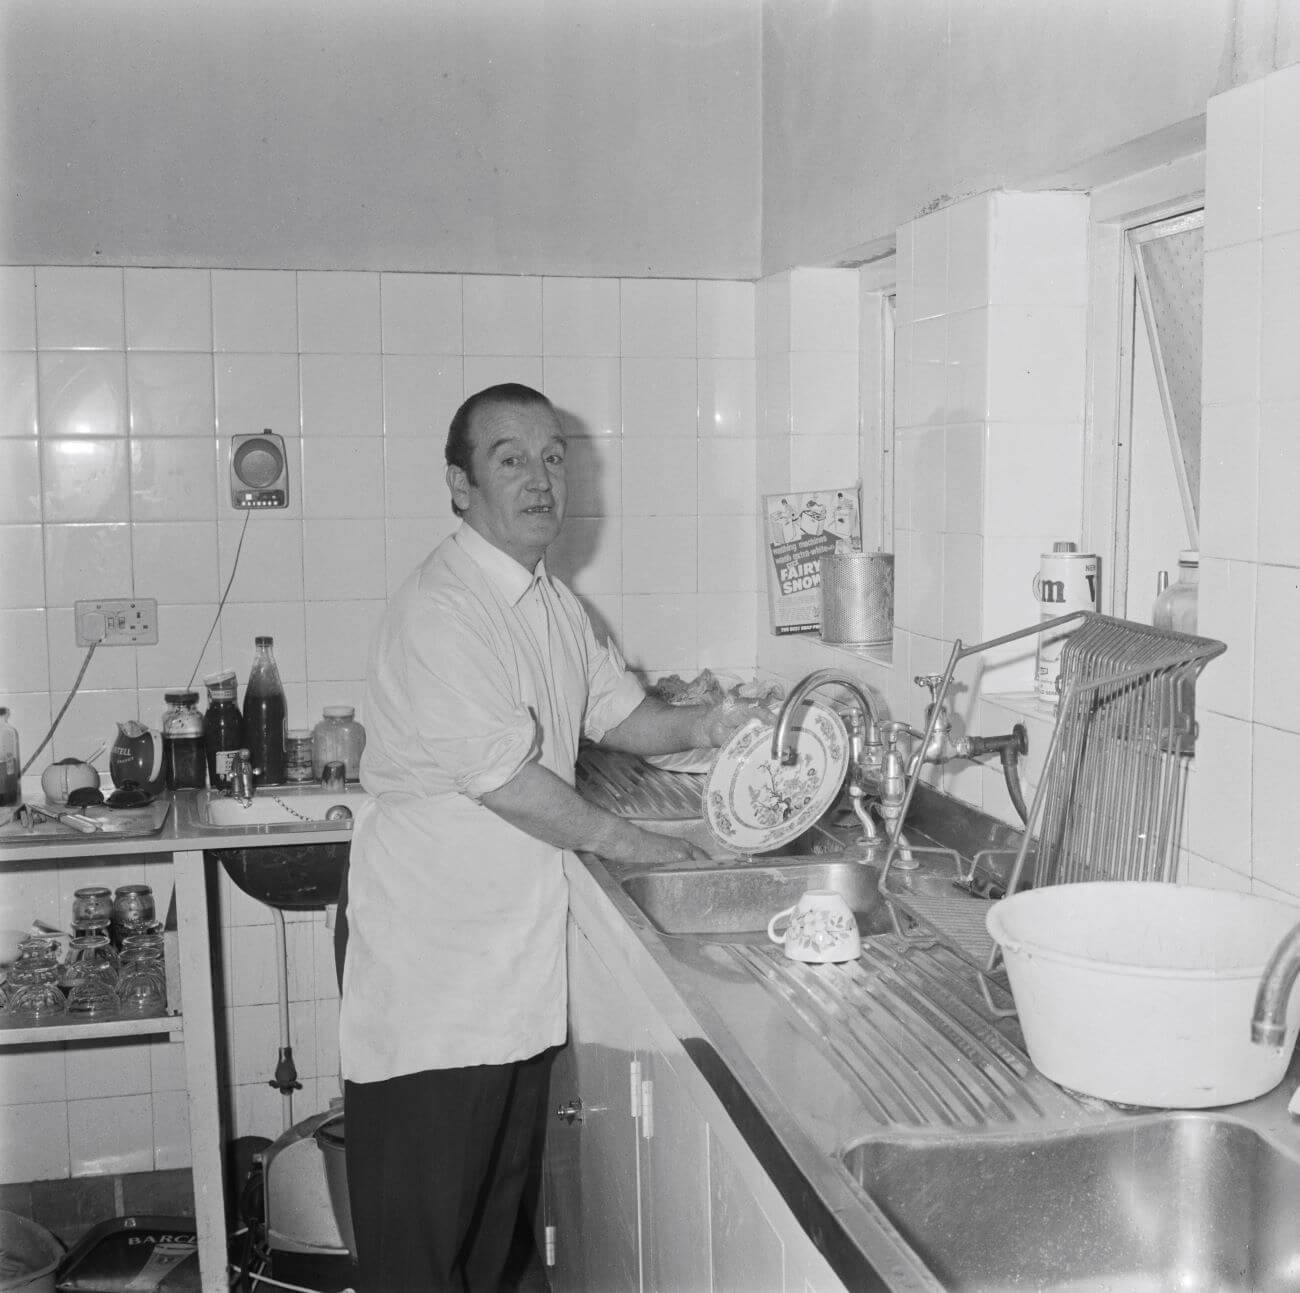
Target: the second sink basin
(277, 807)
(736, 902)
(1162, 1201)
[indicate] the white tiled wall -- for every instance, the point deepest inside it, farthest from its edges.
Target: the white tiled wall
(119, 392)
(1243, 827)
(990, 347)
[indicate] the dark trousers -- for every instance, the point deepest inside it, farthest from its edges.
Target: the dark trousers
(438, 1164)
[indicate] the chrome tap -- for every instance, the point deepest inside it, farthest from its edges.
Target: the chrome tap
(940, 747)
(874, 771)
(1268, 1023)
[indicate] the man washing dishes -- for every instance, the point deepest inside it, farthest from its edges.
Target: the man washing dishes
(484, 674)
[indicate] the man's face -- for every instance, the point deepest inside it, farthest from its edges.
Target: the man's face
(516, 500)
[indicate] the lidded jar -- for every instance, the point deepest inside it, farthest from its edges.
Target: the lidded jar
(338, 738)
(184, 759)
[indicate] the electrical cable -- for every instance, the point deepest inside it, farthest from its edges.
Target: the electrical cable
(216, 619)
(58, 718)
(258, 1278)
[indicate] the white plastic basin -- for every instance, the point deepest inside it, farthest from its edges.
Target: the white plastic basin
(1143, 993)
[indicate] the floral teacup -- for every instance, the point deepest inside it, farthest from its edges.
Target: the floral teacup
(821, 928)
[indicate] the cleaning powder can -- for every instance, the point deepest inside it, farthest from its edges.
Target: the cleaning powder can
(1067, 581)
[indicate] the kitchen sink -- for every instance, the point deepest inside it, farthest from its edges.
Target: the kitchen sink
(279, 808)
(735, 903)
(303, 876)
(1144, 1203)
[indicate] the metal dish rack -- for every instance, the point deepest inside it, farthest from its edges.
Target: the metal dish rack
(1109, 805)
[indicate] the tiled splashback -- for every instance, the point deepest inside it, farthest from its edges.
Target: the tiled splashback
(122, 388)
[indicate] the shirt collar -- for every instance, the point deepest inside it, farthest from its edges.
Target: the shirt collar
(505, 574)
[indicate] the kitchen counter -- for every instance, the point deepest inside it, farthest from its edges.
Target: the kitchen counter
(180, 832)
(900, 1047)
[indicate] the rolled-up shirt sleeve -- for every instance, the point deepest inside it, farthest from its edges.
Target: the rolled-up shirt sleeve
(613, 692)
(467, 716)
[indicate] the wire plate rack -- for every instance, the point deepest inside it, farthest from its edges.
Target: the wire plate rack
(1109, 805)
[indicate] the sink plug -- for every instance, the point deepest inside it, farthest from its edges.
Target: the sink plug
(286, 1073)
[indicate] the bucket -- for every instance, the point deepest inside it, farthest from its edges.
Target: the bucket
(29, 1255)
(857, 599)
(1142, 993)
(329, 1136)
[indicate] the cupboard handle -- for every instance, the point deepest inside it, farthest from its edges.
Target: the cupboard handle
(571, 1112)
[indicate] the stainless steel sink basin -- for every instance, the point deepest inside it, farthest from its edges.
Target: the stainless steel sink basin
(1148, 1203)
(735, 903)
(275, 809)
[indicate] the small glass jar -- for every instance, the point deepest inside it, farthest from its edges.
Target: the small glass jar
(92, 905)
(90, 977)
(184, 758)
(142, 986)
(338, 738)
(39, 998)
(133, 910)
(34, 992)
(297, 755)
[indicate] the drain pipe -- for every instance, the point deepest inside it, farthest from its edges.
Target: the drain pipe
(286, 1074)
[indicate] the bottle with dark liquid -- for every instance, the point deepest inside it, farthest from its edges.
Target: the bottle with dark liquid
(223, 727)
(264, 716)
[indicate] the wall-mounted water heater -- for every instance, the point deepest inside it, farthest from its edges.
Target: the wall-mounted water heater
(259, 471)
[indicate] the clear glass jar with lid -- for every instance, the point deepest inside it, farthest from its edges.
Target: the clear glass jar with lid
(338, 738)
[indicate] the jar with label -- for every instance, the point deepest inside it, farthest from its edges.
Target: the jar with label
(184, 758)
(11, 770)
(223, 727)
(297, 754)
(338, 738)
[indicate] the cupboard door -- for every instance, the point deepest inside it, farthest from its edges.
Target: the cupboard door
(591, 1141)
(674, 1183)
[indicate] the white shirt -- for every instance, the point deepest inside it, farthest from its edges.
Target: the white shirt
(456, 918)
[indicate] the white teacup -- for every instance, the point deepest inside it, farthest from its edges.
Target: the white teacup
(821, 929)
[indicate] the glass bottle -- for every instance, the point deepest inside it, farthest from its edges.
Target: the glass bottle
(264, 715)
(223, 727)
(11, 770)
(338, 738)
(1176, 609)
(184, 758)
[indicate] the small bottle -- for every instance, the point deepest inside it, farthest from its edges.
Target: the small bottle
(264, 715)
(184, 759)
(338, 738)
(223, 727)
(11, 770)
(1175, 609)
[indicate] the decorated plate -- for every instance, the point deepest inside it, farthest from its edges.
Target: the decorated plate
(753, 803)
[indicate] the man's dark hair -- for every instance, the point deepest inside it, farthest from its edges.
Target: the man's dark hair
(460, 437)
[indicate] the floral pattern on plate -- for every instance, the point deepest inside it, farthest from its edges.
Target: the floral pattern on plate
(753, 803)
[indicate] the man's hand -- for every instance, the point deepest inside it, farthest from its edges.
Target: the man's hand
(657, 850)
(720, 722)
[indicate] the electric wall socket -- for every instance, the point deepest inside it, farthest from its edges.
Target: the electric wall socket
(118, 621)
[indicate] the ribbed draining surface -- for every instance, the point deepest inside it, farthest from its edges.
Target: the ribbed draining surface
(630, 787)
(905, 1023)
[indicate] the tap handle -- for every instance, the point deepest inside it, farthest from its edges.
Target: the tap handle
(890, 732)
(931, 680)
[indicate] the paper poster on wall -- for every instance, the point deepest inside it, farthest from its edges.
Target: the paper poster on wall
(801, 529)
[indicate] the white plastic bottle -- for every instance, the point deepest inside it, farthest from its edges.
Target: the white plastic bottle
(11, 770)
